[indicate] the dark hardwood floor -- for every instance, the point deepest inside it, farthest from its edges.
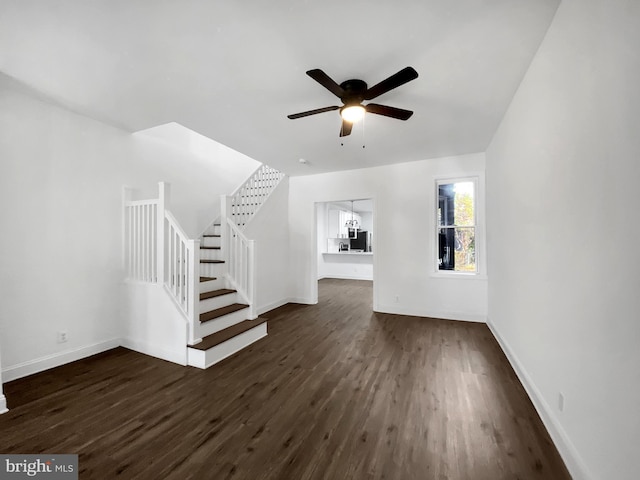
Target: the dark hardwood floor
(334, 392)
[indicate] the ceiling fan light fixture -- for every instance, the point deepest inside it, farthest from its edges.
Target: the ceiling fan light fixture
(352, 113)
(354, 91)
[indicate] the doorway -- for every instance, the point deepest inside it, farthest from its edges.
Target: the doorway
(345, 241)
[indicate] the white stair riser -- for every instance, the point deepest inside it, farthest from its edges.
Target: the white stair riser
(212, 285)
(206, 254)
(216, 270)
(213, 326)
(210, 242)
(204, 359)
(217, 302)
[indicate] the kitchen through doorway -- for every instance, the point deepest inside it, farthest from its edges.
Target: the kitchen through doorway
(345, 240)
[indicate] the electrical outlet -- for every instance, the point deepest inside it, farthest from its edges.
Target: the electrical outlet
(62, 336)
(560, 402)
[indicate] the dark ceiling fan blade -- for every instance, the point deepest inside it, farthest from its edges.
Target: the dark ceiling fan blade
(293, 116)
(326, 81)
(345, 129)
(394, 81)
(392, 112)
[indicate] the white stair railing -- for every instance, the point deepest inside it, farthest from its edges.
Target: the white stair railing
(140, 239)
(251, 195)
(236, 212)
(156, 249)
(241, 263)
(182, 270)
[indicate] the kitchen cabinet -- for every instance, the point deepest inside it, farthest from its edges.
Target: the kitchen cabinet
(333, 228)
(337, 220)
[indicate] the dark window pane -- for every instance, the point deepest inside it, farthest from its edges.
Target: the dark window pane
(457, 249)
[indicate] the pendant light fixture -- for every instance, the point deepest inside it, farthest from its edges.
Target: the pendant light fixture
(353, 223)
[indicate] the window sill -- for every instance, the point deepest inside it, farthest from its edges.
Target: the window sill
(459, 276)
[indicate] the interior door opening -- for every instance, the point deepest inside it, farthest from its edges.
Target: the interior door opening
(345, 241)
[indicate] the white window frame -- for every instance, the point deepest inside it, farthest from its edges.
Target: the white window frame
(478, 215)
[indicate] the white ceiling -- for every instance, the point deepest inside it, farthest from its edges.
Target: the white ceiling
(233, 70)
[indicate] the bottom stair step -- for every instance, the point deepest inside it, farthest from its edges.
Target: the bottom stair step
(220, 345)
(230, 332)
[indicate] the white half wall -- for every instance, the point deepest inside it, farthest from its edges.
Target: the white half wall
(404, 236)
(353, 267)
(562, 192)
(157, 327)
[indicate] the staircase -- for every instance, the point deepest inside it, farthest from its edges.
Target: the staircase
(212, 280)
(225, 317)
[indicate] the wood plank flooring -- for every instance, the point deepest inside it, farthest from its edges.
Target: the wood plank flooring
(334, 392)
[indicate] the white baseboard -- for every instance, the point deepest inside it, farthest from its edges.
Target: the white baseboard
(271, 306)
(301, 300)
(567, 450)
(348, 277)
(398, 310)
(55, 360)
(3, 404)
(175, 356)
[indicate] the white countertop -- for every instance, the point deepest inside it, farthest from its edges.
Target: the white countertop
(347, 253)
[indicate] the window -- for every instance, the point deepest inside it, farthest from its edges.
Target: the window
(456, 225)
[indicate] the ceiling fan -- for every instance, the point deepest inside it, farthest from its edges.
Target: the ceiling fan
(353, 92)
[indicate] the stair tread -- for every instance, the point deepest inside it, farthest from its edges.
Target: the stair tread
(216, 293)
(219, 312)
(207, 279)
(209, 248)
(228, 333)
(211, 261)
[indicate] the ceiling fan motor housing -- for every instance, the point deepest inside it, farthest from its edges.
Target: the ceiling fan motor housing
(353, 91)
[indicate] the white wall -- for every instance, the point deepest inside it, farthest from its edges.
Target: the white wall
(270, 229)
(562, 191)
(225, 170)
(404, 250)
(3, 400)
(60, 214)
